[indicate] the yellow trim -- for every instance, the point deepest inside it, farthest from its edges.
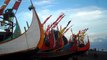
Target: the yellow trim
(41, 41)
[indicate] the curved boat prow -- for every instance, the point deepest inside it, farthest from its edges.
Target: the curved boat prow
(86, 47)
(40, 43)
(30, 40)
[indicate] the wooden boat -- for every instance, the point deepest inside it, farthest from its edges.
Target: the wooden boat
(69, 49)
(85, 48)
(30, 40)
(51, 40)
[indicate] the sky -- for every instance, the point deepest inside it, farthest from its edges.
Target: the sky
(90, 14)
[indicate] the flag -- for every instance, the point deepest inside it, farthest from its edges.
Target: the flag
(6, 2)
(61, 41)
(68, 23)
(51, 39)
(67, 29)
(61, 31)
(46, 20)
(83, 35)
(2, 9)
(4, 6)
(58, 39)
(58, 21)
(48, 27)
(54, 22)
(16, 5)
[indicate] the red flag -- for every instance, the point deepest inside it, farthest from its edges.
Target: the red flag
(6, 2)
(2, 9)
(46, 20)
(54, 22)
(16, 5)
(58, 21)
(78, 32)
(48, 27)
(61, 41)
(4, 6)
(58, 18)
(51, 40)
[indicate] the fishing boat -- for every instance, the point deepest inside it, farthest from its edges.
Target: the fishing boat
(52, 38)
(52, 41)
(31, 39)
(68, 50)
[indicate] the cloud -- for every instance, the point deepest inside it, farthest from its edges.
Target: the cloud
(95, 36)
(43, 2)
(92, 17)
(100, 43)
(95, 14)
(79, 16)
(45, 13)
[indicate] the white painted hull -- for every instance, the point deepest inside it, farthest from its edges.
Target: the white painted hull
(28, 40)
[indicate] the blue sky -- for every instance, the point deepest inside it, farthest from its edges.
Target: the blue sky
(90, 14)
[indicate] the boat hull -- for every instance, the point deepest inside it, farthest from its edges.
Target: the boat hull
(27, 41)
